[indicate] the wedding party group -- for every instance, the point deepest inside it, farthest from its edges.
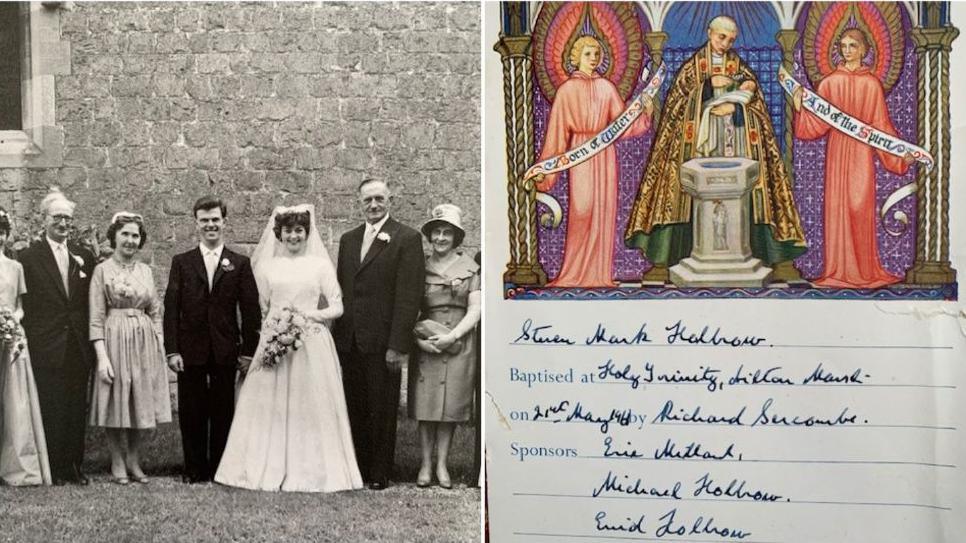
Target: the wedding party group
(317, 347)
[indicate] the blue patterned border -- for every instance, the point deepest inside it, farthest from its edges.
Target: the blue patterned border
(807, 292)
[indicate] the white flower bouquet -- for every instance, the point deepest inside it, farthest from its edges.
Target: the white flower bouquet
(11, 334)
(285, 330)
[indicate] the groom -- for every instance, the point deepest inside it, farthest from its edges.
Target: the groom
(381, 274)
(207, 288)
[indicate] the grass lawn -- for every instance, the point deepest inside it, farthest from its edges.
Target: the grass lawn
(167, 510)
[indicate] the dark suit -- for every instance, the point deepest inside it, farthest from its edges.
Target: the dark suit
(202, 326)
(56, 324)
(381, 296)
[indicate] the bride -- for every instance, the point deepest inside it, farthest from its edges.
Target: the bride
(291, 429)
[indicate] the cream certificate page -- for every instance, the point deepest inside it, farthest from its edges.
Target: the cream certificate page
(710, 319)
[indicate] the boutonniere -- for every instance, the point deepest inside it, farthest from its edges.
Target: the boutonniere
(226, 265)
(80, 264)
(455, 283)
(384, 237)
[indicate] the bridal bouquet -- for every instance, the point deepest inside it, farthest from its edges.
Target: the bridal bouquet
(11, 334)
(284, 331)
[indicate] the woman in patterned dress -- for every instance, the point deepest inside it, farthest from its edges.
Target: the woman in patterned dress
(441, 382)
(130, 394)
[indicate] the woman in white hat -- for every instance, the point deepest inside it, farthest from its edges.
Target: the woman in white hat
(442, 379)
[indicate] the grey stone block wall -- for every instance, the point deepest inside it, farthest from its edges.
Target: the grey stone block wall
(264, 104)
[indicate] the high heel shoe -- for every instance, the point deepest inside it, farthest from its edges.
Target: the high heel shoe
(443, 477)
(143, 479)
(119, 479)
(424, 479)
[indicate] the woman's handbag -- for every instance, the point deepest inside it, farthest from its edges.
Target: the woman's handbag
(428, 328)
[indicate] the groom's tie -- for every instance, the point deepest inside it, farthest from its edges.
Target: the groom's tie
(211, 262)
(367, 241)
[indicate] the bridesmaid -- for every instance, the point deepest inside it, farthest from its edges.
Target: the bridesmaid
(442, 380)
(130, 394)
(23, 448)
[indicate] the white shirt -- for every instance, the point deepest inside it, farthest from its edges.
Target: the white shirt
(211, 258)
(62, 256)
(372, 230)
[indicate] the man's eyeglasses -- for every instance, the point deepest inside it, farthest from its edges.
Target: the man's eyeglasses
(62, 218)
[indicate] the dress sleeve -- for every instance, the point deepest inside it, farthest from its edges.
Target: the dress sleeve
(559, 128)
(640, 125)
(882, 121)
(98, 304)
(332, 293)
(21, 289)
(154, 301)
(264, 292)
(475, 282)
(21, 280)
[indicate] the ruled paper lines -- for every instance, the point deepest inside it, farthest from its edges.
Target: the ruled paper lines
(723, 346)
(801, 427)
(772, 461)
(735, 500)
(598, 537)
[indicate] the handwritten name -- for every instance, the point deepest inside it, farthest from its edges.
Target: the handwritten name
(540, 335)
(734, 489)
(611, 451)
(679, 333)
(668, 414)
(602, 337)
(614, 484)
(631, 526)
(693, 450)
(767, 415)
(700, 526)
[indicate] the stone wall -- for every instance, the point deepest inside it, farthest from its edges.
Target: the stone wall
(264, 104)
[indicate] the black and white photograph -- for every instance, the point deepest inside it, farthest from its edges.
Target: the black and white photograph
(240, 287)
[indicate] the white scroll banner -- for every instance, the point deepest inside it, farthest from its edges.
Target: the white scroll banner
(858, 130)
(602, 140)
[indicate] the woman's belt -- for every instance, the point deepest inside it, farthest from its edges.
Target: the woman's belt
(130, 312)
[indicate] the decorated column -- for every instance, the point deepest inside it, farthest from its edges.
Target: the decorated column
(933, 42)
(788, 39)
(514, 48)
(655, 45)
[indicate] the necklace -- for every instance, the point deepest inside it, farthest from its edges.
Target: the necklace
(126, 266)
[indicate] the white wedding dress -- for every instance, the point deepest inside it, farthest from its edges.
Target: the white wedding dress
(291, 428)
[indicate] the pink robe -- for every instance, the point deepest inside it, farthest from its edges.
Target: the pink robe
(584, 106)
(851, 247)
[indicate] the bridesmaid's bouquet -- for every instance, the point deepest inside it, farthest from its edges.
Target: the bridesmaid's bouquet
(11, 334)
(284, 330)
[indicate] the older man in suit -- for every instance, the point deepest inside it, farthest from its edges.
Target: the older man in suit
(381, 272)
(208, 287)
(56, 317)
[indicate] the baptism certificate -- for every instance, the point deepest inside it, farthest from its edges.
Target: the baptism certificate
(723, 246)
